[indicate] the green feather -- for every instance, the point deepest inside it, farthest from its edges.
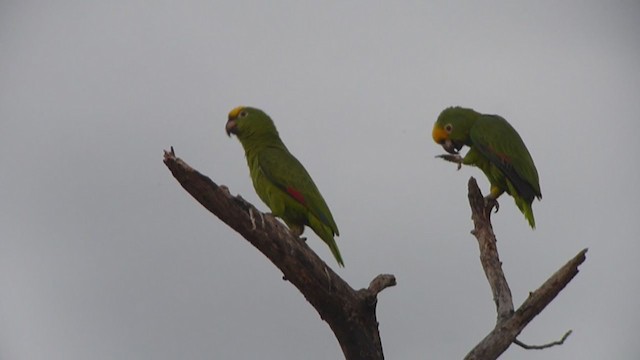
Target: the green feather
(498, 150)
(280, 180)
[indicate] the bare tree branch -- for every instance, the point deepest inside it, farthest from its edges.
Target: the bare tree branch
(509, 323)
(544, 346)
(351, 314)
(483, 231)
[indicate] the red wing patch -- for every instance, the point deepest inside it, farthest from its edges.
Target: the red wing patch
(506, 159)
(296, 194)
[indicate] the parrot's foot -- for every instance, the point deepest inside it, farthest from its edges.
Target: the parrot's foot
(491, 203)
(296, 230)
(303, 238)
(454, 158)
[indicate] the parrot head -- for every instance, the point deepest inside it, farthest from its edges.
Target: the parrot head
(247, 123)
(451, 130)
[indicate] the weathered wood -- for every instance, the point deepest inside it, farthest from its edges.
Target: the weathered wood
(483, 231)
(509, 323)
(351, 314)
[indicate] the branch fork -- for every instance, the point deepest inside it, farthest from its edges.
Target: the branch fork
(350, 313)
(510, 322)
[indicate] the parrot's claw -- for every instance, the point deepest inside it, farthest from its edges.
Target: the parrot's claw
(303, 238)
(454, 158)
(297, 230)
(491, 203)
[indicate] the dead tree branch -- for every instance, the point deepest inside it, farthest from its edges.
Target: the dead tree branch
(350, 313)
(544, 346)
(483, 231)
(509, 323)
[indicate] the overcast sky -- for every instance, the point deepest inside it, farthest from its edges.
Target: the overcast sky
(104, 256)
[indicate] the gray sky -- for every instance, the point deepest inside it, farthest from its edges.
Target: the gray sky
(104, 256)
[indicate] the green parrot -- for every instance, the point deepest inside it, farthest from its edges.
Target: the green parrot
(496, 148)
(279, 178)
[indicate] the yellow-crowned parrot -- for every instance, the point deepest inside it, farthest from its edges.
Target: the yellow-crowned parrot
(280, 179)
(496, 148)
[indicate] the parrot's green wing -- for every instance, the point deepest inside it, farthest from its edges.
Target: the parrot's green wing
(288, 174)
(496, 139)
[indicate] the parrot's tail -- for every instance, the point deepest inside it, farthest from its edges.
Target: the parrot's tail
(326, 234)
(525, 208)
(528, 214)
(335, 251)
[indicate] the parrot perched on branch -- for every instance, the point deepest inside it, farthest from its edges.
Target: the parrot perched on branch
(496, 148)
(279, 178)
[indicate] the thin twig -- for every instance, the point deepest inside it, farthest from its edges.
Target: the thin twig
(544, 346)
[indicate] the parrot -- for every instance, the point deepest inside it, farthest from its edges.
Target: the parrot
(279, 179)
(496, 148)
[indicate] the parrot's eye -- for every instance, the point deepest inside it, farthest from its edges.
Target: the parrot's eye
(448, 128)
(242, 114)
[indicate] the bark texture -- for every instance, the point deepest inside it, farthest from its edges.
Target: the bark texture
(510, 323)
(350, 313)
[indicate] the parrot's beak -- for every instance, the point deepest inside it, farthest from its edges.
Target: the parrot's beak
(441, 137)
(450, 146)
(230, 127)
